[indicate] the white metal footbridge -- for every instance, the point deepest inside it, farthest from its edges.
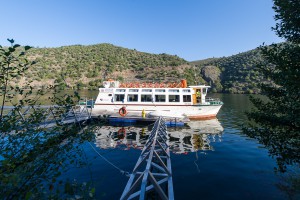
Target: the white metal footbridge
(52, 114)
(152, 172)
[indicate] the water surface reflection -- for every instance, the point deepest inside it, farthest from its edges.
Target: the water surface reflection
(207, 156)
(197, 135)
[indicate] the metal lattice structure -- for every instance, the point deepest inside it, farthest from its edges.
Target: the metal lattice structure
(52, 114)
(152, 171)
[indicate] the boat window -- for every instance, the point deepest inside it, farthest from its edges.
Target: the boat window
(132, 97)
(146, 90)
(109, 95)
(160, 98)
(186, 90)
(120, 90)
(146, 98)
(173, 98)
(173, 90)
(187, 98)
(119, 97)
(133, 90)
(160, 90)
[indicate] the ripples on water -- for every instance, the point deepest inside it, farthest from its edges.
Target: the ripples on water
(210, 159)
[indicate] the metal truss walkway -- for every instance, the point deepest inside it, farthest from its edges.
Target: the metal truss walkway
(152, 171)
(52, 114)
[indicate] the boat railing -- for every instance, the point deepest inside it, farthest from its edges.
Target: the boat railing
(89, 103)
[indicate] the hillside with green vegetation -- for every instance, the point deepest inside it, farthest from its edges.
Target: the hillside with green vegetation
(85, 67)
(233, 74)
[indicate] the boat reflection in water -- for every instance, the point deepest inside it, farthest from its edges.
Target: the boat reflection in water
(196, 136)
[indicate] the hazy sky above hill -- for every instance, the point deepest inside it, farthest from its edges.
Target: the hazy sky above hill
(191, 29)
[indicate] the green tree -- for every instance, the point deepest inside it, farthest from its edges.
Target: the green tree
(33, 155)
(13, 63)
(277, 119)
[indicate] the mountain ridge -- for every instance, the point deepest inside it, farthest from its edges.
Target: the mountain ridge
(86, 66)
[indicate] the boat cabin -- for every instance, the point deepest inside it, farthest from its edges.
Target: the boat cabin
(114, 93)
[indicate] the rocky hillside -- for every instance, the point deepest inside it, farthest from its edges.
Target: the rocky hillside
(233, 74)
(85, 67)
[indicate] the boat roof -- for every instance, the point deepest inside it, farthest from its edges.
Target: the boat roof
(182, 84)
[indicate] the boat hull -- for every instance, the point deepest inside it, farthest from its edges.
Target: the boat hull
(193, 112)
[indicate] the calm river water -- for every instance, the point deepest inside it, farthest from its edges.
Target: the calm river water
(210, 160)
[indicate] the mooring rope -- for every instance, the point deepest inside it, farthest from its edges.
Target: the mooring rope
(123, 172)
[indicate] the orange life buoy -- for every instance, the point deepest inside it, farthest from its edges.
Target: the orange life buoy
(123, 111)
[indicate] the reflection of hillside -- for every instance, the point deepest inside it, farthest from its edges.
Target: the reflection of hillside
(197, 136)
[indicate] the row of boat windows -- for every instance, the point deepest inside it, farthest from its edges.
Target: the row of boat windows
(149, 98)
(156, 90)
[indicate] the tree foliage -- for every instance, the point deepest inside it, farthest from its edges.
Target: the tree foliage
(33, 155)
(277, 120)
(287, 14)
(13, 63)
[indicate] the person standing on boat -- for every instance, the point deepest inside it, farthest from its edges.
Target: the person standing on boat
(198, 95)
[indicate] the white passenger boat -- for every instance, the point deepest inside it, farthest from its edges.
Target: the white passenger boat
(156, 99)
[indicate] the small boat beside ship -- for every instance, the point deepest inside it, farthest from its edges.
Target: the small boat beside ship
(175, 100)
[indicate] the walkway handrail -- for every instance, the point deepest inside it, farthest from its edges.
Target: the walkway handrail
(156, 162)
(53, 114)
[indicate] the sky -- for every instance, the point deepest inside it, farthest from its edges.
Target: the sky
(190, 29)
